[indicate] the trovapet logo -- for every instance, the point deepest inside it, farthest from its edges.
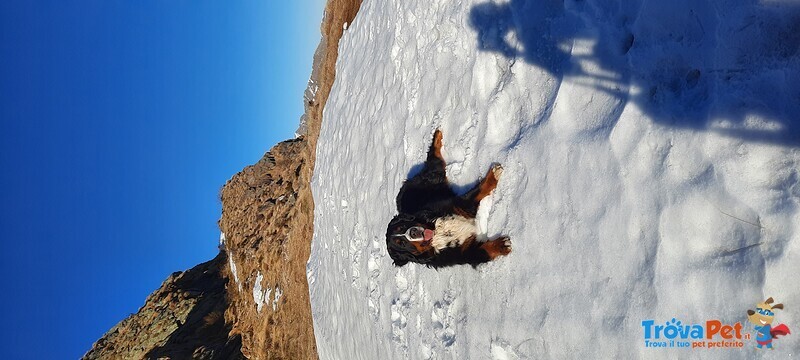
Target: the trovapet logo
(715, 334)
(710, 334)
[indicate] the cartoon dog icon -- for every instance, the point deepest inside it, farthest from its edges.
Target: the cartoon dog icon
(763, 318)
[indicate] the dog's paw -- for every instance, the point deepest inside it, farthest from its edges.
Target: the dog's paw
(437, 139)
(498, 247)
(497, 170)
(505, 245)
(436, 146)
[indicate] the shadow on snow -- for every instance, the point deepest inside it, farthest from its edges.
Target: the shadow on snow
(685, 63)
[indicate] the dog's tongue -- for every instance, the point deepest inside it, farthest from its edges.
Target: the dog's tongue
(427, 234)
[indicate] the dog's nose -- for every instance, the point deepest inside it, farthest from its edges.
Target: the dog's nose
(750, 312)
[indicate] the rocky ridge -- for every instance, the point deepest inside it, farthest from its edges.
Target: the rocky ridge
(251, 301)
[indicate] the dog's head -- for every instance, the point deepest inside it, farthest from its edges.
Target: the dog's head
(408, 239)
(764, 314)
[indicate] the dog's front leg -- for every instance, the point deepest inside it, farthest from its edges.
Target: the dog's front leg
(497, 247)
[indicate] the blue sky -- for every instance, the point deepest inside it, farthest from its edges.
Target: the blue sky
(121, 120)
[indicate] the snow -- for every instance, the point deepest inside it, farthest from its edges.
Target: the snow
(260, 296)
(650, 172)
(278, 294)
(233, 270)
(309, 98)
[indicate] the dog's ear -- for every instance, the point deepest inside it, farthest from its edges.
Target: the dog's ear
(397, 257)
(777, 306)
(399, 263)
(768, 301)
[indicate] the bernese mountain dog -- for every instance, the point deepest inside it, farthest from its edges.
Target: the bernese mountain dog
(436, 227)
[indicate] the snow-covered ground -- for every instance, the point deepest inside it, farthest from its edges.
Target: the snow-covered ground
(651, 172)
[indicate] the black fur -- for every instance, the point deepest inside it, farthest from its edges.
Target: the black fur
(422, 199)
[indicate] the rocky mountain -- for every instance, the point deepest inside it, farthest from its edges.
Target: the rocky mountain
(251, 301)
(184, 318)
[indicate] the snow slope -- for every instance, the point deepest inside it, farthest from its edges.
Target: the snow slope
(651, 172)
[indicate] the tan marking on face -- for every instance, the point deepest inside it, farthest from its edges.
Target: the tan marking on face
(421, 247)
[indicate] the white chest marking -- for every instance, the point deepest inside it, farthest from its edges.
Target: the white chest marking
(452, 231)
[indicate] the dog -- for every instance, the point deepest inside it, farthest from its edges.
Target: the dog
(763, 318)
(436, 227)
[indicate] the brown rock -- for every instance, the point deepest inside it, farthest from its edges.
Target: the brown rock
(172, 323)
(268, 215)
(267, 219)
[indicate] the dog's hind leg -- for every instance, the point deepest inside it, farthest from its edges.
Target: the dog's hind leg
(435, 160)
(429, 185)
(471, 200)
(433, 173)
(436, 146)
